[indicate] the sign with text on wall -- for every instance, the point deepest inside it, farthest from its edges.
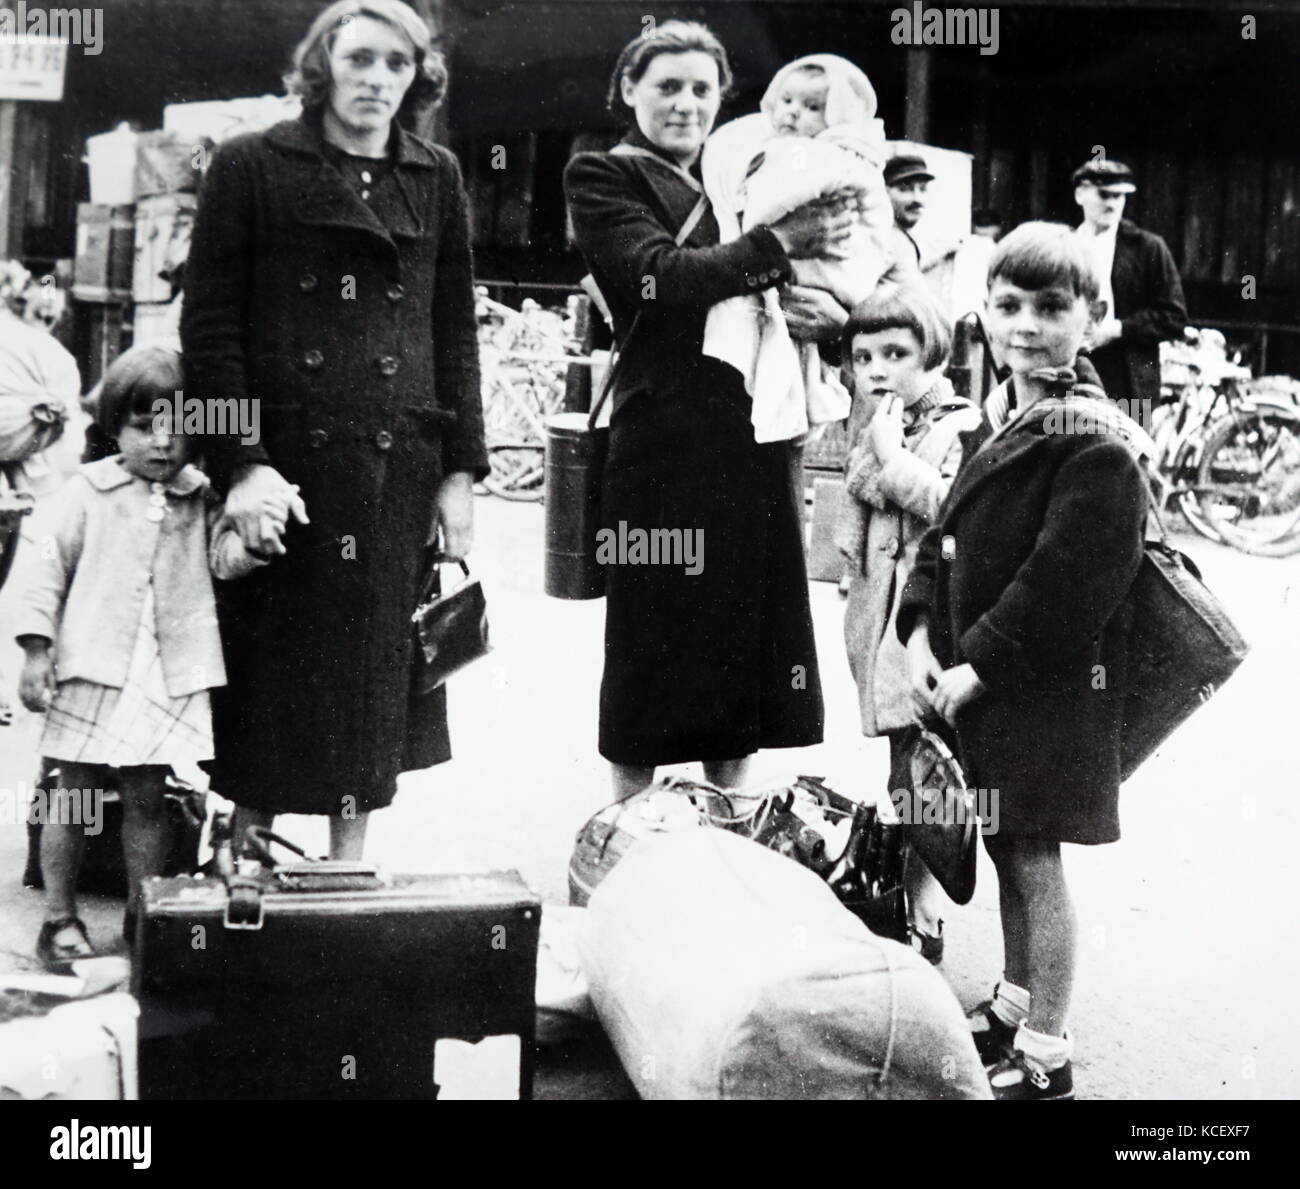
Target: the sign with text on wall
(32, 67)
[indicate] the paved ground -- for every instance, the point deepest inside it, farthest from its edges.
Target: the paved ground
(1189, 926)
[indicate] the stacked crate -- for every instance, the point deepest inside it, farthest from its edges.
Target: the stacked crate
(125, 245)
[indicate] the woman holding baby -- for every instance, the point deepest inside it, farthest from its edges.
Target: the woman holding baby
(714, 665)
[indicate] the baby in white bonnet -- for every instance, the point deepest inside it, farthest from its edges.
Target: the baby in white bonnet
(816, 138)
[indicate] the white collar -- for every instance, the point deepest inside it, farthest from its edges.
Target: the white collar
(1085, 229)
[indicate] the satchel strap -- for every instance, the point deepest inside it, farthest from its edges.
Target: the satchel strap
(631, 150)
(1040, 411)
(698, 211)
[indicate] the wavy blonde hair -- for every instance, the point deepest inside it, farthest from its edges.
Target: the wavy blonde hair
(310, 76)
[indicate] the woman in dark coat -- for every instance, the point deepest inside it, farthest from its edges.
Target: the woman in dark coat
(1017, 624)
(330, 280)
(714, 664)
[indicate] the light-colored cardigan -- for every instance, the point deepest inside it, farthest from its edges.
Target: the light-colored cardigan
(890, 507)
(87, 586)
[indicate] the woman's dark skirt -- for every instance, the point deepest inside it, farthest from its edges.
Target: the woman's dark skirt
(717, 664)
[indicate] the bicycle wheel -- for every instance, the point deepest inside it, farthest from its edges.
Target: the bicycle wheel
(518, 472)
(1248, 482)
(514, 411)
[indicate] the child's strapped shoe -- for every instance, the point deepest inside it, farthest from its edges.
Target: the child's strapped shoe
(1018, 1079)
(992, 1036)
(57, 956)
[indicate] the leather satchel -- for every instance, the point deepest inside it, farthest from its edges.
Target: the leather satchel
(941, 822)
(1182, 647)
(451, 630)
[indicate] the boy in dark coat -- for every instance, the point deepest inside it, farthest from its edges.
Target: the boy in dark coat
(1017, 628)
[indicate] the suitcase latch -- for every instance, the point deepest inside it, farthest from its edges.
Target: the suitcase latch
(243, 903)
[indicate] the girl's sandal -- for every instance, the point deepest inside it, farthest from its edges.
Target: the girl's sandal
(60, 957)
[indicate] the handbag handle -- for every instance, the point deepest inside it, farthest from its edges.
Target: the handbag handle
(438, 558)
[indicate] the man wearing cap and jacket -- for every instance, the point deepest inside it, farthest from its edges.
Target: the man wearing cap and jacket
(954, 272)
(1139, 283)
(907, 180)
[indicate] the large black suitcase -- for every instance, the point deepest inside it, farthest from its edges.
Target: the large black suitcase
(327, 980)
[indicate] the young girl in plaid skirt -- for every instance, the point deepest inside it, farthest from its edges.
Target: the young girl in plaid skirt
(118, 624)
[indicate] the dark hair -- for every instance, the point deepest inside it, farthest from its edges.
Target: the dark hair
(902, 307)
(135, 382)
(1042, 255)
(310, 76)
(671, 37)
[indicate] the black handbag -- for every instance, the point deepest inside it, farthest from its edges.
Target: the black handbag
(1182, 647)
(451, 630)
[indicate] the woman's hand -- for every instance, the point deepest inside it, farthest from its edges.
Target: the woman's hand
(885, 431)
(812, 313)
(36, 685)
(454, 514)
(259, 505)
(811, 229)
(923, 671)
(956, 688)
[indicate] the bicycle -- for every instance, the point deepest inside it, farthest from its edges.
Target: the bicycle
(524, 356)
(1228, 448)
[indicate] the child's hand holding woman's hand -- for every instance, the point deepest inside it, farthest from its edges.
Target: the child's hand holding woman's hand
(259, 505)
(885, 432)
(956, 688)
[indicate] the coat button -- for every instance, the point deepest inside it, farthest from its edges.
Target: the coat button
(891, 546)
(308, 282)
(395, 293)
(317, 438)
(387, 365)
(313, 360)
(383, 440)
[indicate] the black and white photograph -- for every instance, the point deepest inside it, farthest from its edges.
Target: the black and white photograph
(602, 550)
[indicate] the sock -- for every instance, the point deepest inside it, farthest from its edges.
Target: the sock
(1047, 1052)
(1010, 1004)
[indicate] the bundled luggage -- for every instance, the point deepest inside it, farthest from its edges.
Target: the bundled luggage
(721, 970)
(846, 843)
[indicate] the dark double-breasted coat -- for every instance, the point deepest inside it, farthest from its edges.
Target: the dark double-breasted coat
(716, 664)
(357, 340)
(1024, 576)
(1150, 306)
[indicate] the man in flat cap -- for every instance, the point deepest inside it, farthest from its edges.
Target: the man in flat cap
(907, 180)
(1139, 283)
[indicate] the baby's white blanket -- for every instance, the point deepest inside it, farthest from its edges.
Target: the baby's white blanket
(786, 379)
